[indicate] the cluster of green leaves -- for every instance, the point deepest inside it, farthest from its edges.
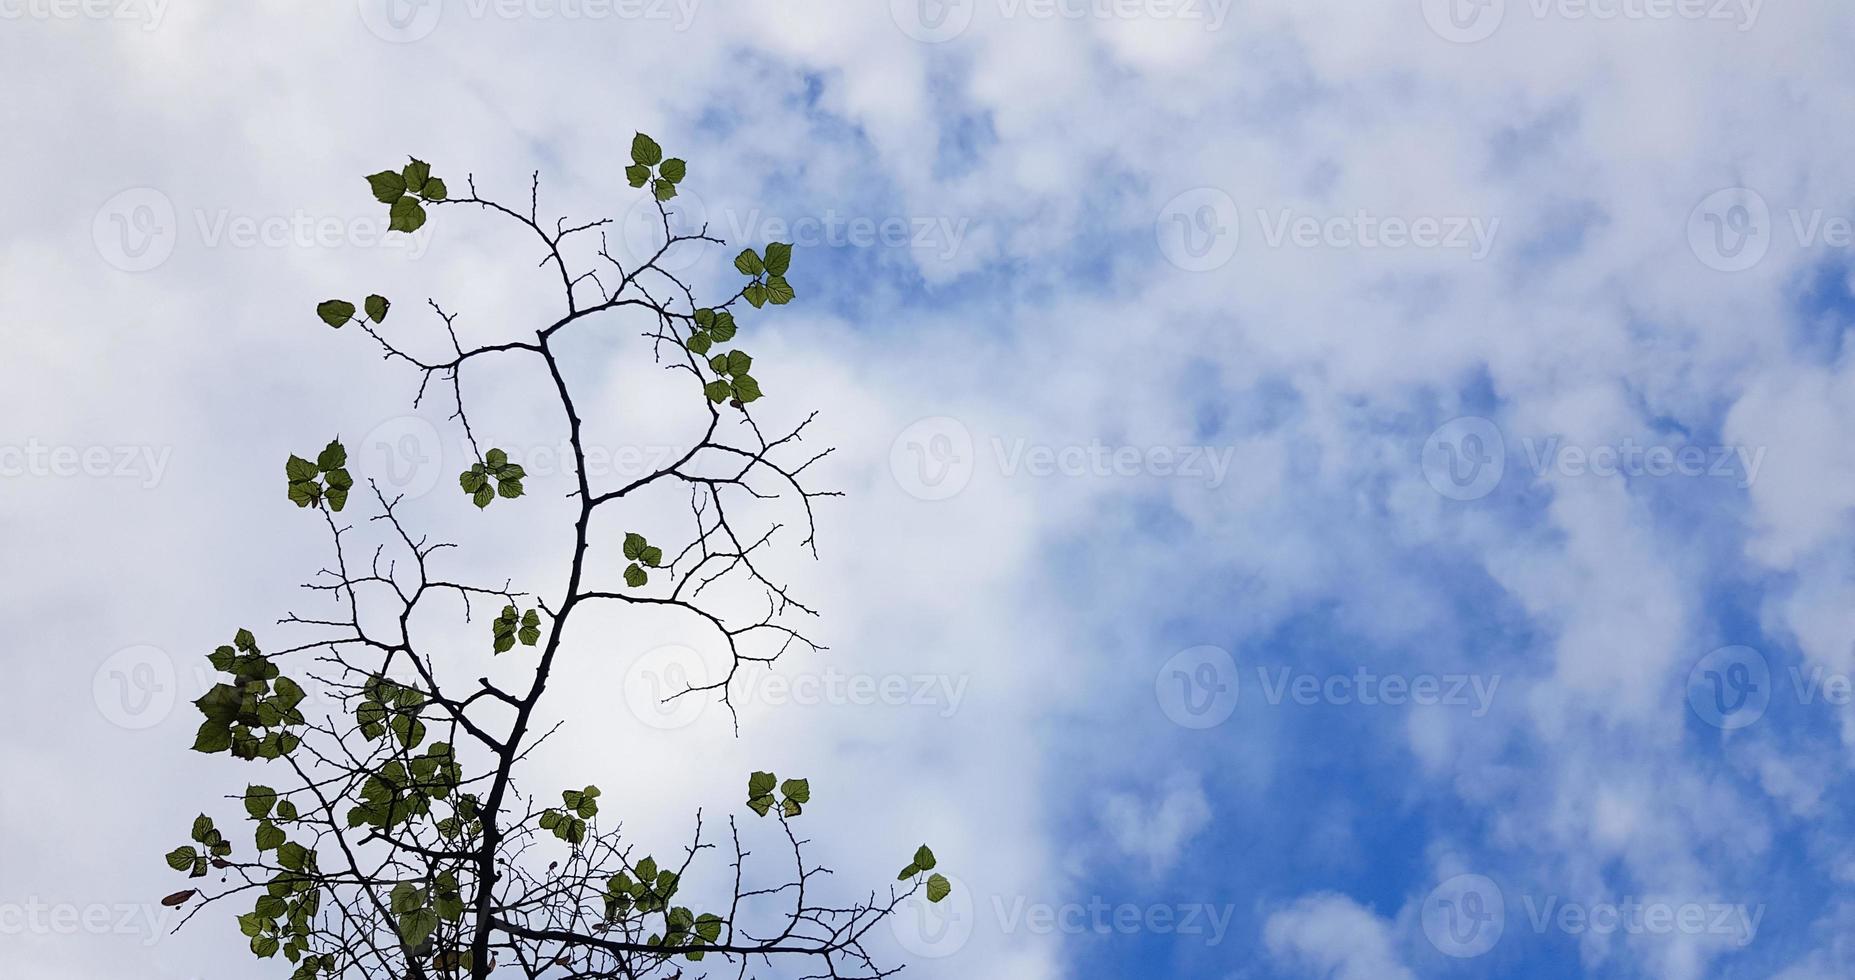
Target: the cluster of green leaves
(251, 716)
(645, 155)
(569, 821)
(712, 327)
(388, 706)
(769, 283)
(194, 860)
(402, 191)
(649, 892)
(735, 383)
(399, 792)
(794, 793)
(938, 887)
(513, 625)
(420, 910)
(338, 313)
(491, 477)
(325, 479)
(281, 918)
(642, 555)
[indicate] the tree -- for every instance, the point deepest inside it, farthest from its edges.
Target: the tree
(388, 837)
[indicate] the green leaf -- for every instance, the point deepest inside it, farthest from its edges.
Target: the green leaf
(377, 306)
(755, 295)
(259, 800)
(297, 468)
(791, 808)
(673, 170)
(652, 557)
(801, 790)
(416, 173)
(181, 858)
(638, 174)
(719, 364)
(472, 479)
(749, 263)
(509, 489)
(213, 738)
(924, 858)
(645, 150)
(333, 457)
(635, 576)
(778, 290)
(634, 545)
(264, 946)
(434, 190)
(718, 391)
(496, 459)
(335, 312)
(907, 873)
(337, 499)
(778, 258)
(269, 836)
(408, 215)
(387, 186)
(739, 362)
(938, 888)
(482, 497)
(723, 330)
(418, 926)
(746, 389)
(699, 342)
(761, 783)
(663, 190)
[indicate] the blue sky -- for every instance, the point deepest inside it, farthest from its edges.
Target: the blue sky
(1175, 356)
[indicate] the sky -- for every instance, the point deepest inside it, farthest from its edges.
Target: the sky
(1333, 488)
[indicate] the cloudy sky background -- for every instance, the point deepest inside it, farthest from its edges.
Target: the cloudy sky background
(1304, 265)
